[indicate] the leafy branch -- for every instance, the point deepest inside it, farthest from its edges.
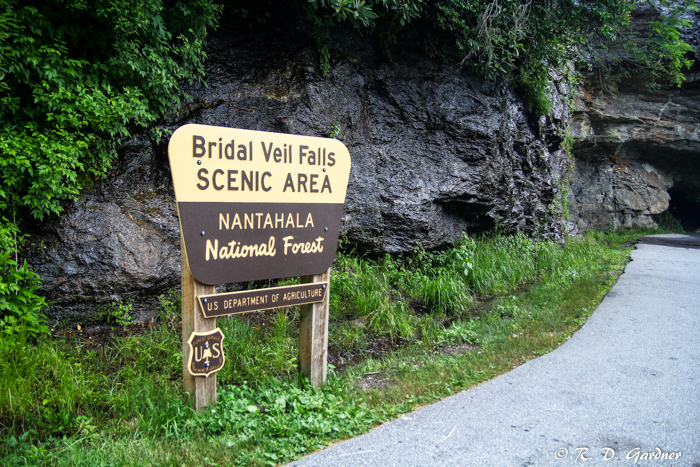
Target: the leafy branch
(75, 75)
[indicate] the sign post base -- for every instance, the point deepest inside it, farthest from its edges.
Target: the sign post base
(202, 391)
(313, 334)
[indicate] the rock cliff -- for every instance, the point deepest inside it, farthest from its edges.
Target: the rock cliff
(633, 146)
(630, 149)
(435, 153)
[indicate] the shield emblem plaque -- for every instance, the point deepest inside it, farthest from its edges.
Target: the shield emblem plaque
(206, 352)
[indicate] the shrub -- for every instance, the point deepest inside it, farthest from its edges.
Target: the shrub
(20, 307)
(78, 74)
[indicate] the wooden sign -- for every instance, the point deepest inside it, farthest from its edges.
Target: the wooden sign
(206, 354)
(261, 299)
(255, 205)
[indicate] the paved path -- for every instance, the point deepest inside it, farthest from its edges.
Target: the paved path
(627, 383)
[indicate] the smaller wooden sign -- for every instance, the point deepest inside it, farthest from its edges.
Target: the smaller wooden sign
(206, 352)
(262, 299)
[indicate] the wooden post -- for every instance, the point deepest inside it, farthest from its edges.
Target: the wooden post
(202, 391)
(313, 334)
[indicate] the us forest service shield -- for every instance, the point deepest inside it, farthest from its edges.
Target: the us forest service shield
(206, 352)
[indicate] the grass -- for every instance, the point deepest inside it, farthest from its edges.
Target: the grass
(501, 300)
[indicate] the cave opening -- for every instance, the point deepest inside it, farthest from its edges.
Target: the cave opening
(685, 208)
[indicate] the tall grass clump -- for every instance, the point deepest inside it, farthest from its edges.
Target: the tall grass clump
(505, 263)
(415, 296)
(373, 289)
(24, 375)
(408, 295)
(440, 279)
(255, 352)
(59, 388)
(501, 263)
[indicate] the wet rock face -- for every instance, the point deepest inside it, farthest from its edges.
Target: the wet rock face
(118, 243)
(630, 149)
(615, 194)
(435, 153)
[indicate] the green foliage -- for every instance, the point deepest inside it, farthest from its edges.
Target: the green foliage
(298, 419)
(118, 313)
(460, 332)
(170, 307)
(390, 292)
(335, 130)
(256, 352)
(565, 201)
(282, 351)
(357, 12)
(325, 59)
(442, 285)
(523, 41)
(75, 76)
(57, 394)
(565, 181)
(412, 297)
(53, 388)
(654, 49)
(78, 74)
(665, 44)
(668, 222)
(20, 307)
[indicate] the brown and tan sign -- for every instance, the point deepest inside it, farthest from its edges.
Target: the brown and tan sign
(261, 299)
(255, 205)
(206, 352)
